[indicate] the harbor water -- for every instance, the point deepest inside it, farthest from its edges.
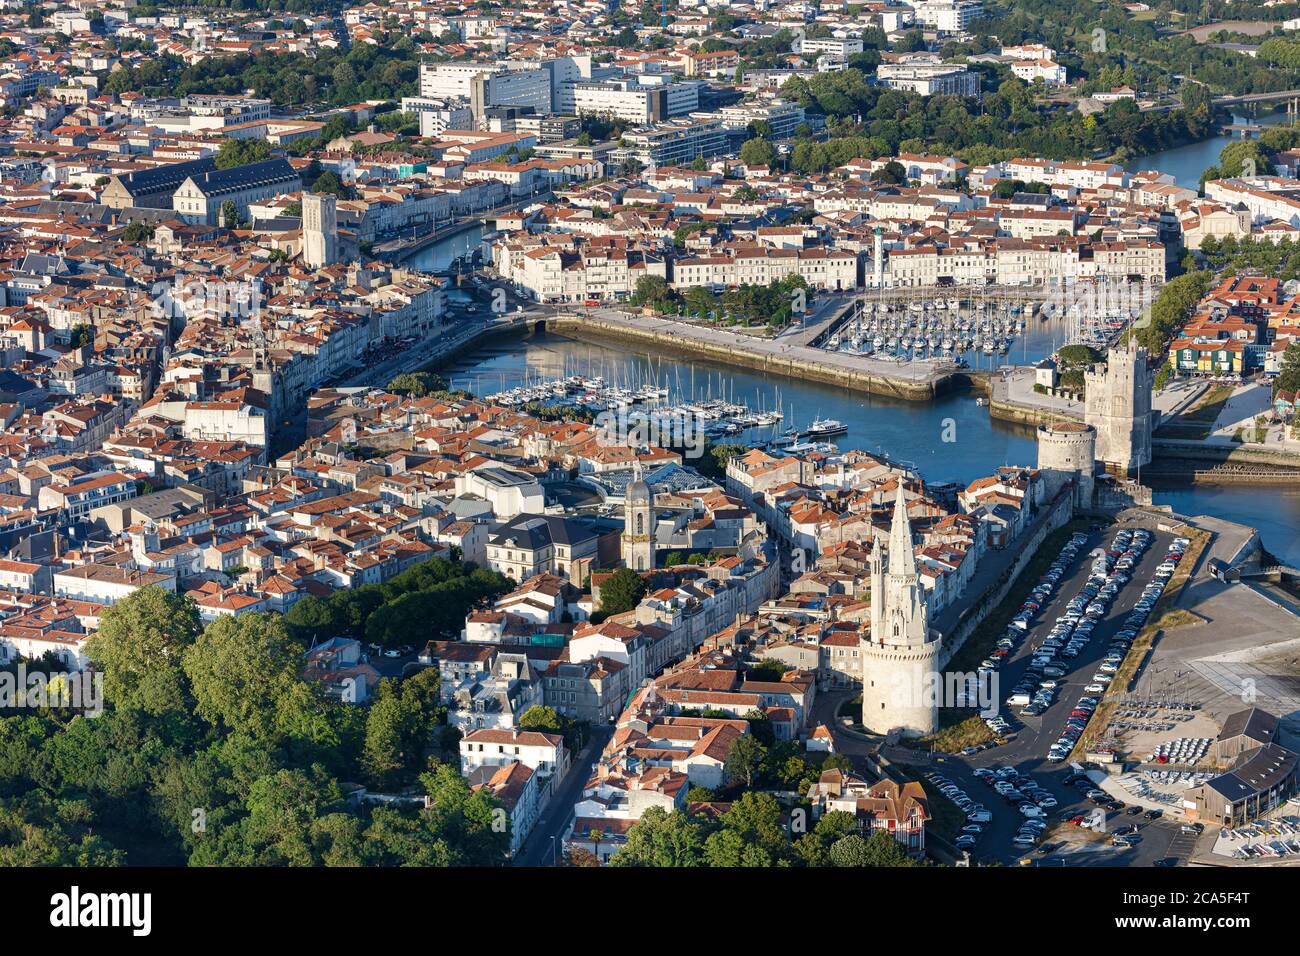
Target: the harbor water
(950, 439)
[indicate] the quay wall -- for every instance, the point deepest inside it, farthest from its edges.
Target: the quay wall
(789, 365)
(1171, 448)
(1027, 414)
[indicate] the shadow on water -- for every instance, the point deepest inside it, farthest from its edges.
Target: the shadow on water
(911, 432)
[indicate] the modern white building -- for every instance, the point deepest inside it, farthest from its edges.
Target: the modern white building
(485, 85)
(842, 47)
(674, 143)
(929, 79)
(946, 16)
(437, 115)
(639, 100)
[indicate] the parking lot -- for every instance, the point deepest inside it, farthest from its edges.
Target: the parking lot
(1054, 672)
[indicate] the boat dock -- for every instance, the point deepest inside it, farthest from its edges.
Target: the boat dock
(918, 380)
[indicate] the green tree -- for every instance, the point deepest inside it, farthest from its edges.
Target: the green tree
(329, 182)
(541, 718)
(396, 736)
(417, 384)
(621, 591)
(662, 839)
(884, 850)
(760, 726)
(139, 647)
(244, 674)
(313, 619)
(241, 152)
(744, 760)
(758, 152)
(230, 214)
(1288, 377)
(850, 850)
(652, 291)
(728, 848)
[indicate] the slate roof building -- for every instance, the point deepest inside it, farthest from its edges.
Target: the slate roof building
(200, 197)
(542, 544)
(153, 188)
(1260, 781)
(1244, 731)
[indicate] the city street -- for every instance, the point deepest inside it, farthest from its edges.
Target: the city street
(543, 846)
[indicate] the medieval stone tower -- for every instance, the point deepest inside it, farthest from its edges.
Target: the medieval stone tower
(320, 230)
(1118, 406)
(638, 524)
(900, 657)
(1067, 451)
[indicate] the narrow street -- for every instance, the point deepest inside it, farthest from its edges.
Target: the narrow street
(542, 848)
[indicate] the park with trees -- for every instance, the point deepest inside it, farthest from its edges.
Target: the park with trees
(213, 750)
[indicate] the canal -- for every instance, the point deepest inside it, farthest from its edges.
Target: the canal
(440, 255)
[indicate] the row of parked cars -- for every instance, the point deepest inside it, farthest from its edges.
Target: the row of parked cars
(1111, 570)
(1030, 799)
(976, 813)
(1125, 835)
(1135, 544)
(1019, 627)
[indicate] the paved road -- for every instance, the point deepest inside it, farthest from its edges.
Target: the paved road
(916, 371)
(542, 848)
(418, 355)
(1028, 751)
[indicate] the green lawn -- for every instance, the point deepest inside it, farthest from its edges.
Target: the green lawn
(1207, 409)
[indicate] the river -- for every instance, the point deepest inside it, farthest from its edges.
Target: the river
(1186, 163)
(906, 431)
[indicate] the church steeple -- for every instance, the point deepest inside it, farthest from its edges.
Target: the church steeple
(638, 545)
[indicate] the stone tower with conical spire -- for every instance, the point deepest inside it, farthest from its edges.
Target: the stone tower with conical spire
(899, 656)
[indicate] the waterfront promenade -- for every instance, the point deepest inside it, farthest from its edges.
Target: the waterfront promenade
(787, 354)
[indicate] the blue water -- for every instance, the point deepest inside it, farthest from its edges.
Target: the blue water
(439, 256)
(1186, 163)
(910, 432)
(907, 431)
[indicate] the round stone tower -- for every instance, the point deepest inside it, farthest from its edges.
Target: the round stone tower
(901, 687)
(1068, 451)
(901, 682)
